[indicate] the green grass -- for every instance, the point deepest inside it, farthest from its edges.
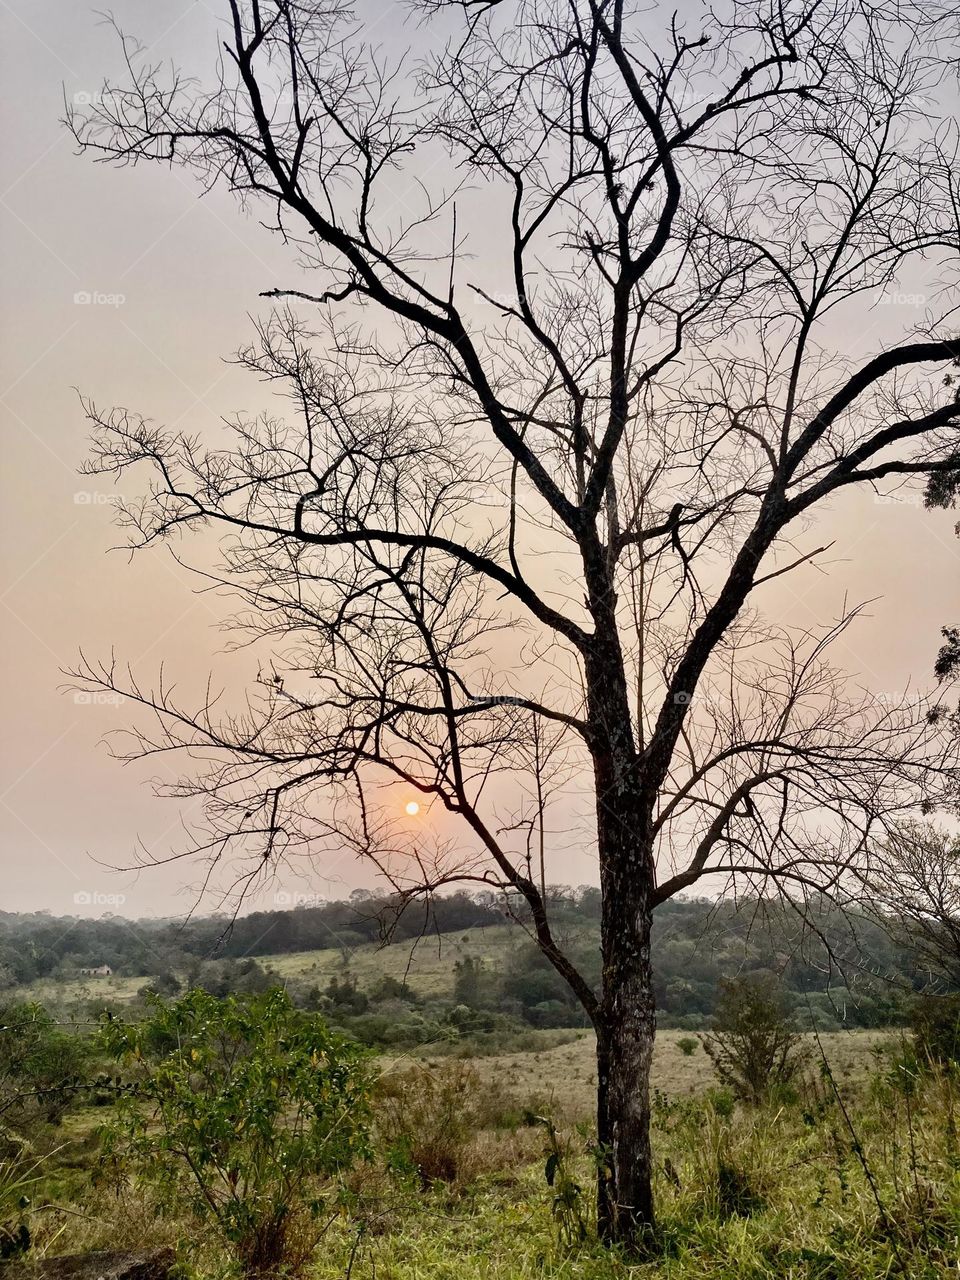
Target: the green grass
(801, 1208)
(427, 965)
(776, 1194)
(773, 1194)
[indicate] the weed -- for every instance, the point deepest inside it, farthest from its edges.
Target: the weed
(567, 1202)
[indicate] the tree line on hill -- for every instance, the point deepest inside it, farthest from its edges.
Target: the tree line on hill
(841, 970)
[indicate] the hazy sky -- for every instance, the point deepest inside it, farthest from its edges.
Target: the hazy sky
(172, 281)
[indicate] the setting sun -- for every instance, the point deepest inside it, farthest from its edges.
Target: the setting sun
(412, 808)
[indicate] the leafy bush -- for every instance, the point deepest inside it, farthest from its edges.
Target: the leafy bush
(163, 984)
(42, 1068)
(390, 988)
(754, 1048)
(688, 1045)
(471, 983)
(345, 997)
(242, 1110)
(935, 1024)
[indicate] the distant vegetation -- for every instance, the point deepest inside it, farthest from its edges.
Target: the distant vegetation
(490, 982)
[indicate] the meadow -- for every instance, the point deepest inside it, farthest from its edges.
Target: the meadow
(853, 1176)
(749, 1195)
(852, 1172)
(566, 1074)
(425, 964)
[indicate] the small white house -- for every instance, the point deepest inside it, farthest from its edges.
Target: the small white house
(101, 971)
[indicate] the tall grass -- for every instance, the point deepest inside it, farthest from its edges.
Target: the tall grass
(824, 1185)
(836, 1181)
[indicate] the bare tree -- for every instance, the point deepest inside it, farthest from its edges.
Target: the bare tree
(574, 396)
(915, 892)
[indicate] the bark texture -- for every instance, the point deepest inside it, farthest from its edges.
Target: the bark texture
(625, 1020)
(624, 1055)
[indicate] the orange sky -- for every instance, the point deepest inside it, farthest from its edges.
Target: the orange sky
(171, 281)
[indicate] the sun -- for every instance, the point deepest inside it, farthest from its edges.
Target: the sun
(412, 808)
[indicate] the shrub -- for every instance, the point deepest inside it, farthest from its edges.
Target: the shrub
(390, 988)
(935, 1024)
(687, 1045)
(241, 1109)
(429, 1115)
(345, 997)
(754, 1048)
(42, 1069)
(470, 983)
(722, 1101)
(163, 984)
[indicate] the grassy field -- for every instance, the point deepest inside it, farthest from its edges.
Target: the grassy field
(809, 1190)
(54, 992)
(425, 964)
(565, 1077)
(854, 1177)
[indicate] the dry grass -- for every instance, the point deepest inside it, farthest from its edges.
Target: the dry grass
(426, 964)
(566, 1077)
(50, 992)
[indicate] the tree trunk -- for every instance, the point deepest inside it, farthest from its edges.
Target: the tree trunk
(625, 1020)
(625, 1037)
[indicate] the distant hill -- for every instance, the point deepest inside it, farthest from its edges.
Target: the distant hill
(365, 958)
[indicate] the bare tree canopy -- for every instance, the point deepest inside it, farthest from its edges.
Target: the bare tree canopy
(555, 412)
(915, 890)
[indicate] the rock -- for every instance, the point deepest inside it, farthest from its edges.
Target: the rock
(100, 1265)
